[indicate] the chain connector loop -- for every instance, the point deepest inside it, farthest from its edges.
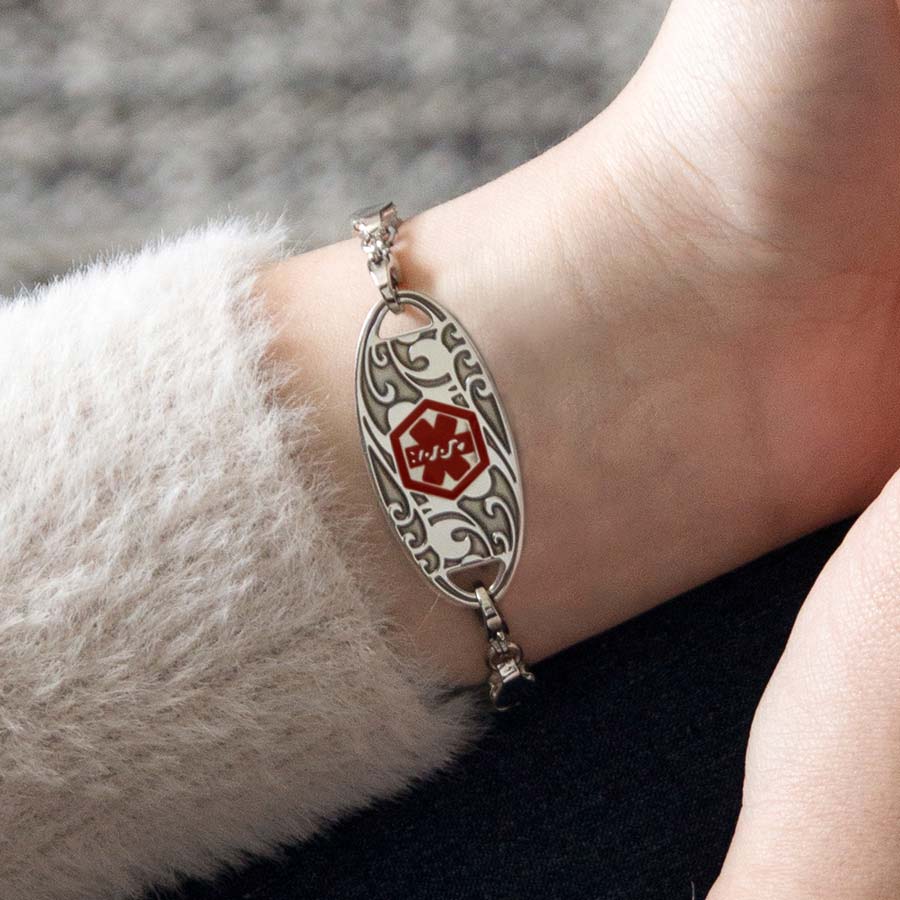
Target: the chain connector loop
(377, 228)
(504, 656)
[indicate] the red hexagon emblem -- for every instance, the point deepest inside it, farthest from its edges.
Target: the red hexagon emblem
(439, 449)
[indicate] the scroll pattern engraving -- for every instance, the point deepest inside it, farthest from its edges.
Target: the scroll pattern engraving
(440, 363)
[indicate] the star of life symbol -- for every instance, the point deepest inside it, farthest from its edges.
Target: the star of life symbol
(439, 449)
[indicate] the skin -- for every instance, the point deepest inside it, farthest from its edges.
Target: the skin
(691, 308)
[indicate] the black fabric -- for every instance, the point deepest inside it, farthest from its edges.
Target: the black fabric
(620, 779)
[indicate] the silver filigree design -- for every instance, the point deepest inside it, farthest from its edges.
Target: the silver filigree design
(439, 449)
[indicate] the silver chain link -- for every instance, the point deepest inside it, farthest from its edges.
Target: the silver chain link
(504, 656)
(377, 228)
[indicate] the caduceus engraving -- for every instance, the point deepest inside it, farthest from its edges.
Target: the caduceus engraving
(439, 449)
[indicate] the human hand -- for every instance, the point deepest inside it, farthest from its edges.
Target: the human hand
(774, 130)
(759, 148)
(821, 810)
(689, 308)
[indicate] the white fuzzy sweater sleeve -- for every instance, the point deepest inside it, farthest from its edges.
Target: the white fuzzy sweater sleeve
(188, 668)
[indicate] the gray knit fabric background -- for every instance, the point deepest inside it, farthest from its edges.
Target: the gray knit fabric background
(124, 119)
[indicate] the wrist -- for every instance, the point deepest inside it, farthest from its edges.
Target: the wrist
(469, 255)
(642, 412)
(563, 291)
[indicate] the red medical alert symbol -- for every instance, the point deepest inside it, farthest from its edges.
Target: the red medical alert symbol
(439, 449)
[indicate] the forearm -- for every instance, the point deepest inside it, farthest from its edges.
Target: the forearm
(659, 448)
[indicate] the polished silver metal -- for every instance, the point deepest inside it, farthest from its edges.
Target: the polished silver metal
(504, 656)
(440, 450)
(437, 369)
(377, 229)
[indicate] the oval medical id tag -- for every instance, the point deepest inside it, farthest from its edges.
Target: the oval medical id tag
(440, 450)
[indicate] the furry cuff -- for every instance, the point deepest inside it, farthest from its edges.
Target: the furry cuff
(188, 670)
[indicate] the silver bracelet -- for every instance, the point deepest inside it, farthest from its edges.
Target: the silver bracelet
(440, 451)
